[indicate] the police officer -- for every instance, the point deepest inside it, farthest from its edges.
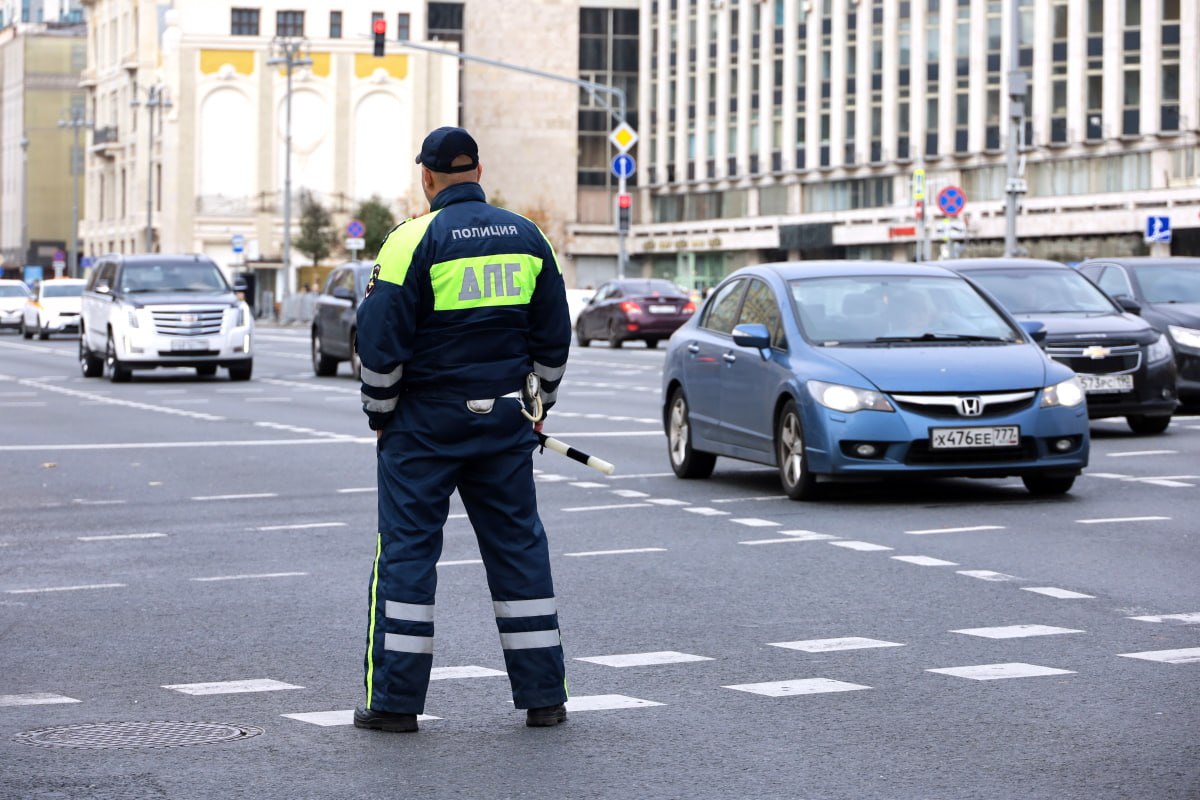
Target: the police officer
(464, 304)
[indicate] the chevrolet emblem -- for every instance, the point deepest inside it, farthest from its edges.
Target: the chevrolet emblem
(1096, 352)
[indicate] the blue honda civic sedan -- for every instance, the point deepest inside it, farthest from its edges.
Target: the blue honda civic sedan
(861, 369)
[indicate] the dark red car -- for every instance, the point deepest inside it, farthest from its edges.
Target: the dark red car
(648, 309)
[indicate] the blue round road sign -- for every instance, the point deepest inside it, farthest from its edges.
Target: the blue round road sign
(623, 165)
(355, 229)
(951, 201)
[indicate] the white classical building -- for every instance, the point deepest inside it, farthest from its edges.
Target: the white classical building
(190, 124)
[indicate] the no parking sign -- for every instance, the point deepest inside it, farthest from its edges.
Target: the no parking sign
(951, 201)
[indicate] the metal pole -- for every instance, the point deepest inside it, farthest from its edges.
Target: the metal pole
(1015, 185)
(622, 255)
(289, 49)
(150, 105)
(73, 244)
(24, 200)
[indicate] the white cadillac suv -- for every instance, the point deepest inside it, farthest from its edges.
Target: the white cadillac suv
(151, 310)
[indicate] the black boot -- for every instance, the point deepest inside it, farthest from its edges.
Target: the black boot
(384, 720)
(546, 716)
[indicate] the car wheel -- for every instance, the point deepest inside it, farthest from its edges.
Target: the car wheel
(798, 482)
(651, 343)
(241, 372)
(614, 336)
(1044, 485)
(116, 372)
(323, 365)
(1146, 424)
(28, 334)
(206, 371)
(687, 462)
(579, 337)
(41, 330)
(91, 366)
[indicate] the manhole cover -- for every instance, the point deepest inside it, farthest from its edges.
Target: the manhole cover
(103, 735)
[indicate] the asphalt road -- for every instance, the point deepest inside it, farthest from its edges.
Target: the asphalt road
(185, 560)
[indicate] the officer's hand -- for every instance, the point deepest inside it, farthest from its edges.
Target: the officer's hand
(537, 426)
(378, 434)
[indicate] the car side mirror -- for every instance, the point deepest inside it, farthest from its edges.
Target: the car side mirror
(752, 334)
(103, 288)
(1035, 329)
(1127, 303)
(342, 293)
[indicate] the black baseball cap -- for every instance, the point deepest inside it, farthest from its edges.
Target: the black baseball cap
(443, 145)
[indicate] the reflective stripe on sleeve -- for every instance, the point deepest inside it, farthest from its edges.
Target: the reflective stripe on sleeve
(549, 373)
(408, 611)
(508, 609)
(399, 643)
(381, 406)
(529, 640)
(548, 397)
(380, 380)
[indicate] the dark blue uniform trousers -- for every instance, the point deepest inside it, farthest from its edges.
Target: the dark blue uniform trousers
(429, 448)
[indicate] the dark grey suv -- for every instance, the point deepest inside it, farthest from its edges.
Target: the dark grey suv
(1125, 365)
(335, 317)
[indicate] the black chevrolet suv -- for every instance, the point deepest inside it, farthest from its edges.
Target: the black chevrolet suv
(1126, 366)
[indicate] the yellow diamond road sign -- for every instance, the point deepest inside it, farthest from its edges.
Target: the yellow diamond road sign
(623, 137)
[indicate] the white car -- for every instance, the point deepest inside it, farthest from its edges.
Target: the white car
(13, 295)
(53, 308)
(152, 310)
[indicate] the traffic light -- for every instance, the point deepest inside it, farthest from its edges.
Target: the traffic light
(624, 209)
(379, 28)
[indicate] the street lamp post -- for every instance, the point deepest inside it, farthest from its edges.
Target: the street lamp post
(76, 122)
(290, 52)
(24, 199)
(156, 99)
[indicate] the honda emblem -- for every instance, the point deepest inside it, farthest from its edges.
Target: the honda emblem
(970, 406)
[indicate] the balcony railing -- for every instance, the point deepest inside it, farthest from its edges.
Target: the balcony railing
(105, 135)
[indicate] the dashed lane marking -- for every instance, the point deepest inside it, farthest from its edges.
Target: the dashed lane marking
(331, 718)
(995, 672)
(754, 522)
(750, 499)
(358, 490)
(793, 536)
(80, 501)
(1061, 594)
(1188, 655)
(629, 493)
(831, 645)
(35, 699)
(986, 575)
(795, 687)
(588, 485)
(644, 659)
(667, 501)
(13, 448)
(619, 552)
(1136, 453)
(300, 527)
(641, 476)
(969, 529)
(925, 561)
(116, 536)
(706, 511)
(606, 508)
(1187, 619)
(232, 687)
(607, 702)
(252, 496)
(1016, 631)
(460, 563)
(250, 577)
(179, 412)
(67, 588)
(862, 546)
(1105, 520)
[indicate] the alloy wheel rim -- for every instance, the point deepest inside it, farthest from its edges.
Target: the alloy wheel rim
(791, 446)
(679, 431)
(316, 349)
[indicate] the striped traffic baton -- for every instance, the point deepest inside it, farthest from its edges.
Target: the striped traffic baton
(598, 464)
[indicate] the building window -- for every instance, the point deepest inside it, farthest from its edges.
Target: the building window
(445, 22)
(1058, 73)
(403, 27)
(244, 22)
(335, 24)
(1131, 92)
(962, 86)
(608, 46)
(1169, 100)
(933, 34)
(289, 23)
(1095, 71)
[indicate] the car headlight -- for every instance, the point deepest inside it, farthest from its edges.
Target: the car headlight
(243, 314)
(1068, 394)
(132, 315)
(1159, 350)
(1186, 337)
(848, 399)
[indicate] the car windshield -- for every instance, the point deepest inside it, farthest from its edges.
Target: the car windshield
(62, 289)
(13, 291)
(651, 288)
(1169, 283)
(1044, 291)
(882, 309)
(169, 277)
